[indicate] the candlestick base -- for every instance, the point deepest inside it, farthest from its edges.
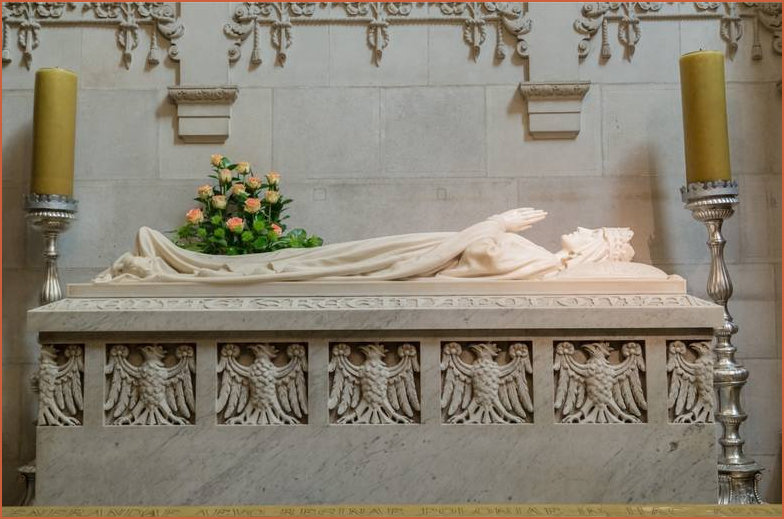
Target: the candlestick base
(51, 215)
(711, 203)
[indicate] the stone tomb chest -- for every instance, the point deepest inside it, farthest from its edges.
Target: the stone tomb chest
(383, 392)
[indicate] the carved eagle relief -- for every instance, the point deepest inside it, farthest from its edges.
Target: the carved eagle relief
(597, 390)
(59, 386)
(373, 392)
(690, 397)
(484, 391)
(150, 393)
(262, 393)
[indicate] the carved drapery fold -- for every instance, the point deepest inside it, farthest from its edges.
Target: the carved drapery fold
(475, 17)
(30, 17)
(596, 17)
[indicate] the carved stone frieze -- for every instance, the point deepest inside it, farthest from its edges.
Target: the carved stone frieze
(150, 384)
(475, 17)
(59, 384)
(629, 16)
(111, 304)
(507, 17)
(374, 383)
(600, 382)
(249, 16)
(128, 17)
(765, 14)
(690, 381)
(489, 384)
(262, 384)
(28, 16)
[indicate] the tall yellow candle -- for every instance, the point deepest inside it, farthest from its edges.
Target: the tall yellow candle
(704, 116)
(54, 130)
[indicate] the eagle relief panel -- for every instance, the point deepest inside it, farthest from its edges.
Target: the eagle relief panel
(59, 383)
(600, 382)
(150, 384)
(262, 384)
(690, 381)
(486, 382)
(374, 383)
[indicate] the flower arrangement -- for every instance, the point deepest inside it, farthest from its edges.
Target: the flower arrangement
(240, 214)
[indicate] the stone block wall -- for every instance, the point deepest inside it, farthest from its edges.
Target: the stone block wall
(433, 137)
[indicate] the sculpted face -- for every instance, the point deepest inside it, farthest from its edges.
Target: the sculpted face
(579, 239)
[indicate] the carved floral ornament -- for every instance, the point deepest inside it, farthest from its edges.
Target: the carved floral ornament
(596, 17)
(475, 17)
(30, 17)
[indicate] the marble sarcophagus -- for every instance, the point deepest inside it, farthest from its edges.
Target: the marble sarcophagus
(376, 392)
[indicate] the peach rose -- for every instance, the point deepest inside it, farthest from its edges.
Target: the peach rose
(216, 159)
(194, 216)
(224, 176)
(219, 202)
(253, 182)
(243, 168)
(205, 191)
(273, 178)
(276, 229)
(237, 188)
(272, 196)
(236, 224)
(252, 205)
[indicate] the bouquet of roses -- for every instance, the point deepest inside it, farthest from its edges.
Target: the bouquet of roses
(240, 214)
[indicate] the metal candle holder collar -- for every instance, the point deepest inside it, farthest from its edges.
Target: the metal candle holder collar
(711, 203)
(51, 215)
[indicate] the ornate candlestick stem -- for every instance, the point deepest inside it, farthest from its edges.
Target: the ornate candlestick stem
(51, 215)
(711, 203)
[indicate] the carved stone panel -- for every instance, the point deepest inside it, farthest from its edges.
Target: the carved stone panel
(262, 384)
(374, 383)
(600, 381)
(690, 381)
(486, 382)
(150, 384)
(59, 383)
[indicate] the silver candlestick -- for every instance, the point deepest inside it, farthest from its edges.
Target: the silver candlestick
(711, 203)
(51, 215)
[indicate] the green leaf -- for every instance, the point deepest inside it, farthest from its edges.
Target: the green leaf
(219, 233)
(201, 232)
(216, 220)
(259, 225)
(246, 236)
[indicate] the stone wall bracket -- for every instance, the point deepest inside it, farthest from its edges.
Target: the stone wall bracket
(203, 112)
(554, 108)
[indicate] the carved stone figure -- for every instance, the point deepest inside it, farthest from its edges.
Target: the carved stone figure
(262, 393)
(691, 382)
(151, 393)
(59, 386)
(491, 249)
(484, 391)
(373, 392)
(598, 391)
